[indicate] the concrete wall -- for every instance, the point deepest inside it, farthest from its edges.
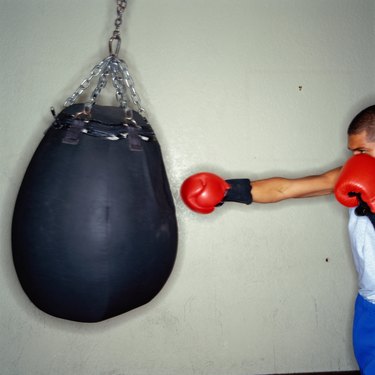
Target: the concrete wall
(242, 88)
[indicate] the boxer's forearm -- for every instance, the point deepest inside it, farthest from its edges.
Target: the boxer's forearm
(276, 189)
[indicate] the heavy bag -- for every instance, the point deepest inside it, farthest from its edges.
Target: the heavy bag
(94, 230)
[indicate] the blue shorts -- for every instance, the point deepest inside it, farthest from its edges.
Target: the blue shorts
(364, 335)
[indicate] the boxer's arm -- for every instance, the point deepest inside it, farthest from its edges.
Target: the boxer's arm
(204, 191)
(276, 189)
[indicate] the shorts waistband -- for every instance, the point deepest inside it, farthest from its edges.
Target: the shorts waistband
(365, 304)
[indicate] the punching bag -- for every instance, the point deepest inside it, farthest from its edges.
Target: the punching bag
(94, 231)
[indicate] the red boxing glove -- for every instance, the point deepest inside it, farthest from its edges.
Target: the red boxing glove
(357, 182)
(202, 192)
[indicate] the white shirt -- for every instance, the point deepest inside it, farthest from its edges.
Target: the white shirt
(362, 238)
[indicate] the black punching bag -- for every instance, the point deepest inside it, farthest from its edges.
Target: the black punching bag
(94, 229)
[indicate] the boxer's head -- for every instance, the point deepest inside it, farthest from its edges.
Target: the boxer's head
(361, 132)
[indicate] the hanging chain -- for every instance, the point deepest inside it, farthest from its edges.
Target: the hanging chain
(96, 70)
(118, 71)
(121, 6)
(130, 85)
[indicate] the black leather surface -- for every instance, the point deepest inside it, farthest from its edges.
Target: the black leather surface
(94, 230)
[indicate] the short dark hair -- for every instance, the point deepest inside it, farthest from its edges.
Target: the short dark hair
(364, 121)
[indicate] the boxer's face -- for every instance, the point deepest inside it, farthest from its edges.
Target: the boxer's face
(359, 144)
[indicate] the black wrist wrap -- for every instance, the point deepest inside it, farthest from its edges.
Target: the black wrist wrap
(364, 210)
(240, 191)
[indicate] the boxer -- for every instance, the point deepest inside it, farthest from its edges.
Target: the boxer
(354, 187)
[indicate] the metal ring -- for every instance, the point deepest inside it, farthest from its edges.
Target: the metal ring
(83, 115)
(118, 44)
(129, 119)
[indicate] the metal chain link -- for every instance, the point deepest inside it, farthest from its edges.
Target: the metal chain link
(96, 70)
(102, 82)
(121, 6)
(130, 85)
(118, 84)
(118, 70)
(122, 81)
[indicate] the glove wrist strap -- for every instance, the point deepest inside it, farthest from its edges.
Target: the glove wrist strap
(240, 191)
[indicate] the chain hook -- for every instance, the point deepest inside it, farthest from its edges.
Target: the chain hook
(114, 38)
(121, 6)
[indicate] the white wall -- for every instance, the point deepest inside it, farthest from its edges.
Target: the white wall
(255, 290)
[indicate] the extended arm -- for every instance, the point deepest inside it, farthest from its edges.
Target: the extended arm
(276, 189)
(204, 191)
(353, 184)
